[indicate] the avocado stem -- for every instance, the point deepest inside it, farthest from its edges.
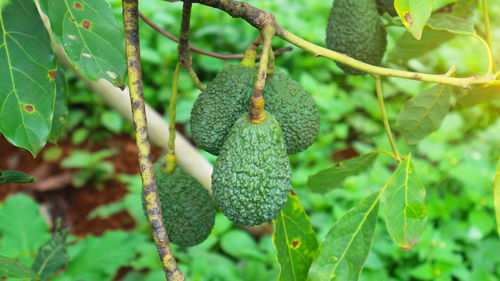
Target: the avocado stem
(257, 114)
(170, 158)
(271, 68)
(251, 53)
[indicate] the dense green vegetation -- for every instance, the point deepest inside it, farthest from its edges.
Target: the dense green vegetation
(456, 163)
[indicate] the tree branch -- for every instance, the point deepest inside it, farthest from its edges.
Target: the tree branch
(259, 18)
(201, 51)
(155, 217)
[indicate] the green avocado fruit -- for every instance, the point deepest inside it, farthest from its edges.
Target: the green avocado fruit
(187, 207)
(386, 6)
(356, 29)
(228, 96)
(251, 180)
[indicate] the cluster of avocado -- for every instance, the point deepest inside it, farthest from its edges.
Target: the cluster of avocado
(355, 28)
(187, 207)
(251, 180)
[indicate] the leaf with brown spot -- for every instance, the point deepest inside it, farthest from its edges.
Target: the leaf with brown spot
(27, 90)
(414, 14)
(91, 37)
(294, 240)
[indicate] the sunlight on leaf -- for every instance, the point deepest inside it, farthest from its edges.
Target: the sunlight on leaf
(414, 14)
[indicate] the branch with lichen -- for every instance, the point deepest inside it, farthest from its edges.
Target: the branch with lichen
(259, 19)
(201, 51)
(155, 217)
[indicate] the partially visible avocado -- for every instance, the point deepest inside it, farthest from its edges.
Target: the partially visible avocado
(187, 207)
(356, 29)
(251, 180)
(386, 6)
(228, 96)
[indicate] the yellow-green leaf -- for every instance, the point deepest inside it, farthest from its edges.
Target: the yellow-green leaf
(90, 36)
(294, 240)
(405, 208)
(441, 27)
(345, 248)
(476, 95)
(414, 14)
(27, 71)
(496, 196)
(424, 113)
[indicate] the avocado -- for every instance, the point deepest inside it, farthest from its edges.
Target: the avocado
(356, 29)
(386, 6)
(228, 96)
(251, 180)
(187, 207)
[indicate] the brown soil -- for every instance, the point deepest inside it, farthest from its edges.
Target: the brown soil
(54, 190)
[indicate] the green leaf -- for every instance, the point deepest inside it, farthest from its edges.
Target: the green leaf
(61, 106)
(405, 208)
(347, 245)
(325, 180)
(91, 37)
(23, 229)
(408, 47)
(241, 245)
(98, 258)
(441, 27)
(424, 113)
(7, 176)
(452, 24)
(414, 14)
(294, 240)
(14, 269)
(27, 71)
(51, 256)
(496, 196)
(476, 95)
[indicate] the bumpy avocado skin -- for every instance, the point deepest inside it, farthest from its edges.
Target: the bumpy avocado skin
(187, 207)
(386, 6)
(252, 176)
(228, 96)
(356, 29)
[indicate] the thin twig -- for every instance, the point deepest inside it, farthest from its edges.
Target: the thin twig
(488, 30)
(259, 18)
(155, 217)
(201, 51)
(184, 57)
(380, 97)
(171, 158)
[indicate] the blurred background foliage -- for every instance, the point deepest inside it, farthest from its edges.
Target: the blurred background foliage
(456, 163)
